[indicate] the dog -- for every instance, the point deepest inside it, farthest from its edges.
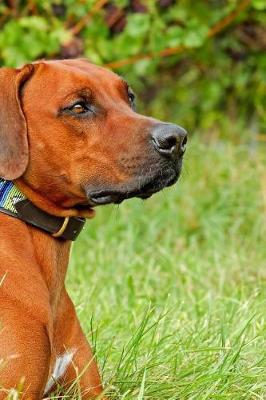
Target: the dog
(70, 140)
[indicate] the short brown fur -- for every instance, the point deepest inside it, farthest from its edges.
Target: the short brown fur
(55, 158)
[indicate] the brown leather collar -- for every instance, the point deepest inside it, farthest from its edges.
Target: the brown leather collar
(59, 227)
(14, 203)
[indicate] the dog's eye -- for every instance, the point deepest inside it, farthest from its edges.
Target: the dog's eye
(131, 98)
(80, 108)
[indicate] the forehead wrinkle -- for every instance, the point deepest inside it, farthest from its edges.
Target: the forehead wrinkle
(71, 78)
(84, 91)
(105, 89)
(98, 76)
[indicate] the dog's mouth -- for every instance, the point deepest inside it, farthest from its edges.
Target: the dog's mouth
(144, 188)
(115, 197)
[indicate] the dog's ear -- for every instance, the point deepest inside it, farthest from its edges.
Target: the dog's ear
(13, 128)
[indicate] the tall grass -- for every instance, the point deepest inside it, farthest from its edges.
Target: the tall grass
(172, 291)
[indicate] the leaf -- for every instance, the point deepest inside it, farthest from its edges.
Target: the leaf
(142, 387)
(259, 4)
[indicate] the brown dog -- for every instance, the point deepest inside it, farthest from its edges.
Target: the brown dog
(69, 140)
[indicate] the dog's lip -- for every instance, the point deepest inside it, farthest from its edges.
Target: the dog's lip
(84, 206)
(116, 196)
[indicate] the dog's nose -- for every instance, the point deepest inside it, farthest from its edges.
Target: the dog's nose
(169, 139)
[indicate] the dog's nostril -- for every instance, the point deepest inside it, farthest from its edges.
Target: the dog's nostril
(183, 143)
(164, 142)
(171, 142)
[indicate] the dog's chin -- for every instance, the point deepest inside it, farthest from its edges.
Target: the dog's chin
(142, 188)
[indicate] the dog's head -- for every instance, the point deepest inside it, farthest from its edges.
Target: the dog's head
(71, 138)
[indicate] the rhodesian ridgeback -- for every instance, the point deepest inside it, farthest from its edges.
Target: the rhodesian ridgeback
(70, 140)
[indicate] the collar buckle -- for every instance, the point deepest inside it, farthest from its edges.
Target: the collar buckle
(62, 229)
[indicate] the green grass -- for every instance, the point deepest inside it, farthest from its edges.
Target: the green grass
(171, 291)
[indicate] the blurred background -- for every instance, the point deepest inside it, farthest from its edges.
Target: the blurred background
(198, 63)
(171, 291)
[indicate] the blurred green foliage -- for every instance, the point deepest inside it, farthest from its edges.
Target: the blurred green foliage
(213, 81)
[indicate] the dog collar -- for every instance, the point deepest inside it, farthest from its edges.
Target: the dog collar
(14, 203)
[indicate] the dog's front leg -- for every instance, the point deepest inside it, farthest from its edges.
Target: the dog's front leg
(24, 352)
(74, 353)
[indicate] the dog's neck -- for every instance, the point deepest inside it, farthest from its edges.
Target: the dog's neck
(51, 256)
(15, 203)
(47, 205)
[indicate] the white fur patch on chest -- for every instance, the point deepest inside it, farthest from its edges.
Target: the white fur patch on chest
(61, 364)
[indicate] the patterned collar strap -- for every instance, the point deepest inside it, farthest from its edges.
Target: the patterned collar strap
(14, 203)
(9, 196)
